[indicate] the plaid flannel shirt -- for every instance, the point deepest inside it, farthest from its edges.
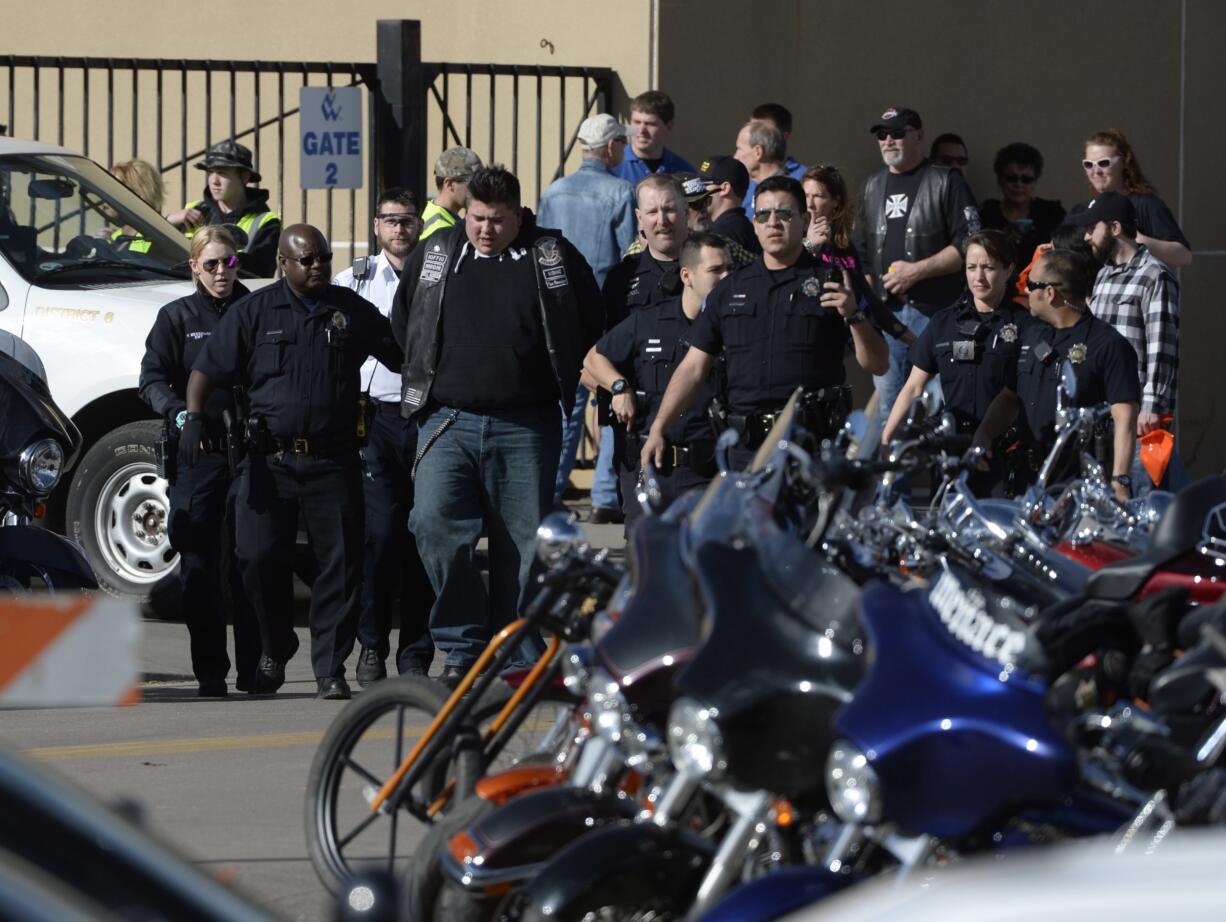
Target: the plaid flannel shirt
(1140, 298)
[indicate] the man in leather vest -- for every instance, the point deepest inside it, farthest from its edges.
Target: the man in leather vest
(913, 218)
(495, 317)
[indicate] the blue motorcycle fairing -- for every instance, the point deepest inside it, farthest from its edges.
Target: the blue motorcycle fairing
(57, 561)
(778, 893)
(956, 739)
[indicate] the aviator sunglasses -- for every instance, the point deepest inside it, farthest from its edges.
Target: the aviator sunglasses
(210, 265)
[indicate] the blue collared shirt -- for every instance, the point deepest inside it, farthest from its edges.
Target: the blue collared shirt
(594, 210)
(635, 170)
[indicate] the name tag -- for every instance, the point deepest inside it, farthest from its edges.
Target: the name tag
(555, 277)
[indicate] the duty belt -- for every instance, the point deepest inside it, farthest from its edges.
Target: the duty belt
(388, 406)
(698, 456)
(318, 447)
(821, 412)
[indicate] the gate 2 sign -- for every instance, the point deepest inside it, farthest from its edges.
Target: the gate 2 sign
(331, 153)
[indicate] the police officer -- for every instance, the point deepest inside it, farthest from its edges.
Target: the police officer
(201, 525)
(634, 362)
(391, 560)
(972, 345)
(779, 325)
(298, 347)
(230, 199)
(640, 280)
(1104, 363)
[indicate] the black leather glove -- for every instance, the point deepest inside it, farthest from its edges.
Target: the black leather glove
(189, 439)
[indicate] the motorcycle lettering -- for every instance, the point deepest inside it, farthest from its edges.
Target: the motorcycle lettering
(965, 615)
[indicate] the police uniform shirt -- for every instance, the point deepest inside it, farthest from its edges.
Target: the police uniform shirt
(974, 354)
(378, 286)
(774, 332)
(1102, 360)
(646, 347)
(300, 365)
(638, 281)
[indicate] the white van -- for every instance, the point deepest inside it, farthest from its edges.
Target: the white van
(85, 265)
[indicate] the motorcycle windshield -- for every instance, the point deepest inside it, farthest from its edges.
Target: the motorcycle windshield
(947, 714)
(27, 412)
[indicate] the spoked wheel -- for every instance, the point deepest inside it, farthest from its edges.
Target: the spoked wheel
(361, 750)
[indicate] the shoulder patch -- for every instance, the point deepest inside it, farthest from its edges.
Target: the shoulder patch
(433, 265)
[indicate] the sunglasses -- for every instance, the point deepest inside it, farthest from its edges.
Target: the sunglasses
(896, 134)
(1105, 164)
(324, 259)
(210, 265)
(1018, 179)
(1032, 285)
(783, 214)
(399, 220)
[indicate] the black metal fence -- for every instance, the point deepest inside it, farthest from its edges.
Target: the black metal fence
(168, 112)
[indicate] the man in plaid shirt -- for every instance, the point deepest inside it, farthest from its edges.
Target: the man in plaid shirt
(1138, 295)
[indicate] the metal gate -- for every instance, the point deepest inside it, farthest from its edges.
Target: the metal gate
(168, 112)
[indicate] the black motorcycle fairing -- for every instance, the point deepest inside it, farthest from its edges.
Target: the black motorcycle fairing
(774, 670)
(659, 619)
(27, 411)
(618, 866)
(57, 561)
(1190, 520)
(513, 840)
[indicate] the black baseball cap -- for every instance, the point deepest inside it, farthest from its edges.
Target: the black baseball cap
(896, 119)
(1110, 206)
(715, 171)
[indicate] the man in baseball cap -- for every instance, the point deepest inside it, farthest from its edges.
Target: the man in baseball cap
(229, 199)
(452, 171)
(727, 180)
(893, 120)
(599, 130)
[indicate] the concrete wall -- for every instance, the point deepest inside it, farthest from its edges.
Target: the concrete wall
(1048, 72)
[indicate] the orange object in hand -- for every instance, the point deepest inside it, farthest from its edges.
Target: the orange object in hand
(1156, 447)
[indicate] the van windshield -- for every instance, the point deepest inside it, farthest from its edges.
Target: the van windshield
(66, 221)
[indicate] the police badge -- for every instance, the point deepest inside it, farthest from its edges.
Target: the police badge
(1077, 353)
(1008, 333)
(810, 287)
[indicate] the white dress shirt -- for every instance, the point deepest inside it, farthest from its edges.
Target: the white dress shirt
(379, 288)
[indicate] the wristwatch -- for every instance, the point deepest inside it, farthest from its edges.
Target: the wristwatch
(1122, 479)
(619, 386)
(857, 317)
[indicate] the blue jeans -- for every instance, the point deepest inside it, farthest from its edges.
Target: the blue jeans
(889, 385)
(572, 434)
(482, 473)
(604, 476)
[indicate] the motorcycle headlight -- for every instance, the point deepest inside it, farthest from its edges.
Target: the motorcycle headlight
(852, 785)
(41, 465)
(694, 740)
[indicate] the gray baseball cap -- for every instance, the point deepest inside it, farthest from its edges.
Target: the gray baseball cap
(457, 163)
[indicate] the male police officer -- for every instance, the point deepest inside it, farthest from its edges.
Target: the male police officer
(298, 348)
(634, 362)
(391, 559)
(779, 328)
(1104, 364)
(229, 199)
(494, 318)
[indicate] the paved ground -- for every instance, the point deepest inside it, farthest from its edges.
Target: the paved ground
(221, 780)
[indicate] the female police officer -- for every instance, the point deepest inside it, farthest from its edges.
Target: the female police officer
(970, 345)
(201, 522)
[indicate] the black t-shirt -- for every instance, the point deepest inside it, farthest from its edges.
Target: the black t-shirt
(1026, 233)
(646, 347)
(900, 190)
(774, 333)
(970, 382)
(733, 225)
(1103, 361)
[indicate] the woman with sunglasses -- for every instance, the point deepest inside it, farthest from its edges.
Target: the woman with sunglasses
(972, 346)
(1111, 166)
(1027, 219)
(201, 520)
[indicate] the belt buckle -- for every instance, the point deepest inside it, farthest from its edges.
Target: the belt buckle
(676, 455)
(301, 447)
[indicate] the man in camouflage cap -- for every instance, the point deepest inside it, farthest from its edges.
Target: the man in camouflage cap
(452, 171)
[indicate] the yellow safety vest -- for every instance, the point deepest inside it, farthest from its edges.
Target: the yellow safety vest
(248, 223)
(435, 217)
(137, 242)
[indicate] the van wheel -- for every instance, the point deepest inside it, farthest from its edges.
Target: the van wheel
(118, 511)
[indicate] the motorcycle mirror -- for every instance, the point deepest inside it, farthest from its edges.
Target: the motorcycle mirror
(728, 439)
(557, 535)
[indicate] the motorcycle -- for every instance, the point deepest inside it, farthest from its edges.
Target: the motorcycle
(38, 445)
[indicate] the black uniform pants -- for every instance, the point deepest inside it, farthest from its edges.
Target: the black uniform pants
(272, 491)
(201, 530)
(391, 561)
(676, 482)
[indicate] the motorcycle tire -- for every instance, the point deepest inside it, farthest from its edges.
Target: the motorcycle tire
(342, 845)
(427, 888)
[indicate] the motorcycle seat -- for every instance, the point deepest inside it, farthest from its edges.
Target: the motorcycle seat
(1180, 531)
